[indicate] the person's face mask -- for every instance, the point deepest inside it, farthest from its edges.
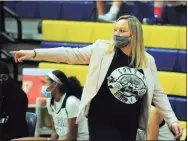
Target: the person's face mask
(121, 41)
(45, 93)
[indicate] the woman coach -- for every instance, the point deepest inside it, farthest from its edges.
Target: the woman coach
(121, 84)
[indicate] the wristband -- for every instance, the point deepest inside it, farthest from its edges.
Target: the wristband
(34, 53)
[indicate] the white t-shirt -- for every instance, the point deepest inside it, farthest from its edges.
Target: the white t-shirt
(165, 133)
(61, 115)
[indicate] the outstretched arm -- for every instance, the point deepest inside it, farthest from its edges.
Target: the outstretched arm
(60, 54)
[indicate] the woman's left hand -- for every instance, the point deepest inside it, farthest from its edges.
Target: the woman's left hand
(177, 129)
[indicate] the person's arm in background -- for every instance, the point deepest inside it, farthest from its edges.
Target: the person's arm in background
(30, 139)
(158, 8)
(111, 15)
(162, 103)
(54, 135)
(72, 106)
(73, 130)
(60, 54)
(155, 120)
(101, 7)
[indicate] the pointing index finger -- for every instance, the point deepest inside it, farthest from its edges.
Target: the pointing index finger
(13, 52)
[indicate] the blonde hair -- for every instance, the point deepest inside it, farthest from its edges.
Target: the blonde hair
(138, 53)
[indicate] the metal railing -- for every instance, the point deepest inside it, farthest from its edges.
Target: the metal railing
(10, 58)
(5, 9)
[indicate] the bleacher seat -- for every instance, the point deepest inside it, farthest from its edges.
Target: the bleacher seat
(168, 37)
(26, 9)
(175, 15)
(46, 44)
(142, 10)
(183, 60)
(171, 15)
(49, 9)
(126, 8)
(77, 10)
(31, 119)
(169, 60)
(173, 83)
(81, 10)
(172, 101)
(11, 5)
(179, 106)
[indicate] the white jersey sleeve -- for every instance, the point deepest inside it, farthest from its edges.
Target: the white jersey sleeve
(72, 106)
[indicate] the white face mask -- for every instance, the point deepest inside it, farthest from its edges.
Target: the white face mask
(45, 92)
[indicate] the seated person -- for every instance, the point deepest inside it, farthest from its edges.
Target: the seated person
(111, 15)
(62, 103)
(13, 107)
(158, 128)
(63, 106)
(158, 10)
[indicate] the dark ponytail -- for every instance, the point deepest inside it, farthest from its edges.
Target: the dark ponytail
(74, 87)
(71, 85)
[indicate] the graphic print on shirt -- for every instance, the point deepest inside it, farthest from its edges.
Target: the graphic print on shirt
(61, 123)
(127, 84)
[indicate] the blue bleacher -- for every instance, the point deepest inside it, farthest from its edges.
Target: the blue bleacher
(81, 10)
(179, 106)
(46, 44)
(175, 15)
(53, 12)
(183, 60)
(176, 59)
(146, 8)
(11, 5)
(26, 9)
(67, 10)
(77, 11)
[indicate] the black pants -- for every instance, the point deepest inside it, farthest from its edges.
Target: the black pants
(100, 131)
